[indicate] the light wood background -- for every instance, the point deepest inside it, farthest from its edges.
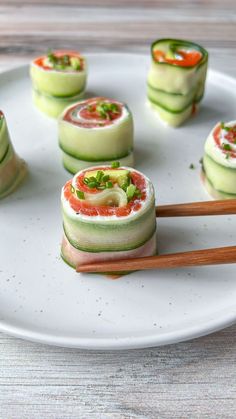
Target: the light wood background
(195, 379)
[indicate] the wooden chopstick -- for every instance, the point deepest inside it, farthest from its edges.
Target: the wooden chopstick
(215, 256)
(223, 207)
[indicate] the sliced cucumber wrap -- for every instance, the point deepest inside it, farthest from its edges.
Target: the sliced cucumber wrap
(110, 235)
(12, 172)
(74, 165)
(173, 119)
(4, 138)
(222, 179)
(108, 223)
(58, 83)
(51, 105)
(173, 78)
(172, 87)
(75, 257)
(172, 102)
(112, 142)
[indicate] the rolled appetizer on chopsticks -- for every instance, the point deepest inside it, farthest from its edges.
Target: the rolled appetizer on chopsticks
(219, 161)
(59, 79)
(12, 168)
(108, 213)
(176, 79)
(96, 131)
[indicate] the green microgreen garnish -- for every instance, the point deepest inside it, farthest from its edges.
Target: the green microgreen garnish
(105, 178)
(226, 147)
(75, 63)
(64, 61)
(223, 126)
(99, 175)
(115, 164)
(132, 191)
(92, 184)
(109, 184)
(105, 109)
(80, 194)
(191, 166)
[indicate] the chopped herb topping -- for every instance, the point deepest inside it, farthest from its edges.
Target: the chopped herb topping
(105, 178)
(103, 181)
(226, 147)
(72, 189)
(191, 166)
(92, 184)
(80, 194)
(99, 182)
(132, 191)
(64, 62)
(115, 164)
(105, 109)
(109, 184)
(223, 126)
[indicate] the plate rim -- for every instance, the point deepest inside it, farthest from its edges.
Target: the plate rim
(129, 342)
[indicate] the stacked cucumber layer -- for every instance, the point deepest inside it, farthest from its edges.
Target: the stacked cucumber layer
(219, 161)
(176, 79)
(12, 168)
(96, 131)
(108, 213)
(59, 79)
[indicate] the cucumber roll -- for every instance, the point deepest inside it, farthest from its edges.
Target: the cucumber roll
(108, 213)
(12, 168)
(176, 79)
(51, 105)
(58, 79)
(219, 161)
(96, 131)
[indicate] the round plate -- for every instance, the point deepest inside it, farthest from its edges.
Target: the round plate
(44, 300)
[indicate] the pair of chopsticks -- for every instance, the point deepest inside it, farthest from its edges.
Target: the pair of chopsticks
(215, 256)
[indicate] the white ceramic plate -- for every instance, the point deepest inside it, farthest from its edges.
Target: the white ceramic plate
(44, 300)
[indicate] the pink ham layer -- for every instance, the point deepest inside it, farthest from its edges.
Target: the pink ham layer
(76, 257)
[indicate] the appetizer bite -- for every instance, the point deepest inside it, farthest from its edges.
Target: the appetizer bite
(108, 213)
(96, 131)
(12, 168)
(176, 79)
(219, 161)
(59, 79)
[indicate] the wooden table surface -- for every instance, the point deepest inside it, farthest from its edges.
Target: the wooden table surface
(194, 379)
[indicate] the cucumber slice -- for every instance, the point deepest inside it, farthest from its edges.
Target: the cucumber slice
(172, 102)
(74, 257)
(173, 119)
(74, 165)
(212, 191)
(12, 172)
(51, 105)
(4, 138)
(112, 142)
(221, 178)
(173, 78)
(110, 196)
(58, 83)
(12, 168)
(109, 234)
